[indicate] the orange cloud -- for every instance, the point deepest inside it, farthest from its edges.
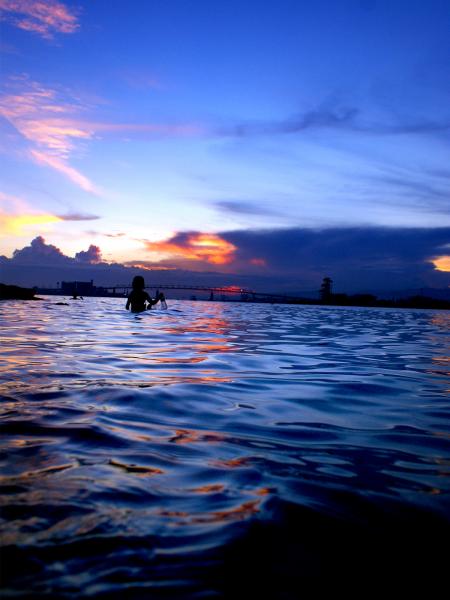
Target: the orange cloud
(207, 247)
(442, 263)
(42, 17)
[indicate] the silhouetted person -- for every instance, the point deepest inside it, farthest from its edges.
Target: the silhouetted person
(138, 299)
(76, 297)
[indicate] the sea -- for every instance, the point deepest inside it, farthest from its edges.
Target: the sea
(222, 450)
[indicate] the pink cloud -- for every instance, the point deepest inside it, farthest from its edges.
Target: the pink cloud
(44, 117)
(55, 124)
(44, 17)
(60, 165)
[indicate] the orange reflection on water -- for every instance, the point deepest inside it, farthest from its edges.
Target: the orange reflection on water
(441, 320)
(243, 511)
(37, 473)
(209, 489)
(176, 360)
(233, 463)
(238, 513)
(139, 471)
(264, 491)
(207, 324)
(189, 436)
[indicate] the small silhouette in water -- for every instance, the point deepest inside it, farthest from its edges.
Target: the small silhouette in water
(139, 300)
(75, 296)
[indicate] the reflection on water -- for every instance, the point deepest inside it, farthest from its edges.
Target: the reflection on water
(214, 448)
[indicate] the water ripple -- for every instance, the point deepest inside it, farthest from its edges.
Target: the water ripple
(155, 455)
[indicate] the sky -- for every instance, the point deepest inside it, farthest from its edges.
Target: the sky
(282, 140)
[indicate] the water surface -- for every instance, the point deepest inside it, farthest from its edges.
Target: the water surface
(221, 448)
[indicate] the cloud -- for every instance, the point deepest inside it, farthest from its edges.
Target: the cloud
(43, 116)
(78, 217)
(56, 126)
(314, 119)
(196, 246)
(17, 224)
(358, 257)
(60, 165)
(148, 265)
(17, 216)
(38, 252)
(442, 263)
(44, 17)
(244, 208)
(366, 259)
(47, 119)
(41, 253)
(336, 117)
(91, 256)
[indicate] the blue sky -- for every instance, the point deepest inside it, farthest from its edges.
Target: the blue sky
(126, 125)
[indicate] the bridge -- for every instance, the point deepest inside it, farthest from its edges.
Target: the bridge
(229, 289)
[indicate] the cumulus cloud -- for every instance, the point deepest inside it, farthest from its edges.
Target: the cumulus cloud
(92, 255)
(38, 252)
(44, 18)
(41, 253)
(366, 259)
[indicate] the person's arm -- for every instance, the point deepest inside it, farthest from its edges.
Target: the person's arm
(127, 306)
(149, 300)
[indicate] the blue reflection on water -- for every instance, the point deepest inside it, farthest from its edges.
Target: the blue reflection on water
(179, 452)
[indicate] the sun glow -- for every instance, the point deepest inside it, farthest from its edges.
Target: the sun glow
(207, 247)
(16, 225)
(442, 263)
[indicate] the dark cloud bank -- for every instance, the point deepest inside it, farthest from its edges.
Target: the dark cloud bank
(369, 259)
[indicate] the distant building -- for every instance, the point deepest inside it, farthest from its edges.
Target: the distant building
(326, 289)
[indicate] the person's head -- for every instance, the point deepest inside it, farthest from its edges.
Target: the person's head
(138, 283)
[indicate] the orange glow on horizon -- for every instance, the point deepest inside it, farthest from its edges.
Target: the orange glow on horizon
(145, 267)
(442, 263)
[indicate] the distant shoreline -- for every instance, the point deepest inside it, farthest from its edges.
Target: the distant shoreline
(13, 292)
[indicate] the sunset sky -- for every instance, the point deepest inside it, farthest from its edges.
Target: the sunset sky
(193, 133)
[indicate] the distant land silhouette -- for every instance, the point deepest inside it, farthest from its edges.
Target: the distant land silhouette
(232, 294)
